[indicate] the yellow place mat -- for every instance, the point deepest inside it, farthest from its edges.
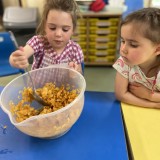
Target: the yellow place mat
(143, 128)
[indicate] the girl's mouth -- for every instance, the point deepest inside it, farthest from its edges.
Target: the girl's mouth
(125, 59)
(58, 42)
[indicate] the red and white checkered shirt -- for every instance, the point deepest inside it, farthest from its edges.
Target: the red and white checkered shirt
(44, 54)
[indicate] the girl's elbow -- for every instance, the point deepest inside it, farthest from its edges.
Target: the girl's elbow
(119, 96)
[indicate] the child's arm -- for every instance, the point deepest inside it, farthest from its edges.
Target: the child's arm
(141, 91)
(19, 58)
(123, 94)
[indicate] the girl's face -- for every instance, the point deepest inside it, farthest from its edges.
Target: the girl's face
(135, 49)
(59, 29)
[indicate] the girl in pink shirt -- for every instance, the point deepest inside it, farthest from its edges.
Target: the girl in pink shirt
(52, 44)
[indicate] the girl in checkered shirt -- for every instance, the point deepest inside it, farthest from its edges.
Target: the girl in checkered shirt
(138, 67)
(52, 44)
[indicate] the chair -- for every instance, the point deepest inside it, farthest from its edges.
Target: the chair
(82, 66)
(7, 46)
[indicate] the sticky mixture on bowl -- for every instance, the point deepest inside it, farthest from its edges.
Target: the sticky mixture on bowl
(56, 97)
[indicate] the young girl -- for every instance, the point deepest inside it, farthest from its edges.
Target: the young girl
(52, 44)
(138, 67)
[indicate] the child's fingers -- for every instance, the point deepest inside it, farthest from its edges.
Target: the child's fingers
(19, 58)
(76, 66)
(21, 48)
(17, 53)
(71, 64)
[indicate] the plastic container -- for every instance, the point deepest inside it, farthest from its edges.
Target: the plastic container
(104, 22)
(102, 52)
(103, 38)
(103, 30)
(51, 125)
(79, 38)
(101, 59)
(82, 44)
(80, 30)
(81, 22)
(104, 45)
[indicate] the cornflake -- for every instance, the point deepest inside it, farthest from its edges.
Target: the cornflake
(55, 97)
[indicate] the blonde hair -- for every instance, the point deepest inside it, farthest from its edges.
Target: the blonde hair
(69, 6)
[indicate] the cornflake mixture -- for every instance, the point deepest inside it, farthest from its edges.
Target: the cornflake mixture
(55, 97)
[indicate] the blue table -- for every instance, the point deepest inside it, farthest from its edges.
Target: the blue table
(97, 135)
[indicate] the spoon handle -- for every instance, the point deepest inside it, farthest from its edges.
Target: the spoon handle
(27, 70)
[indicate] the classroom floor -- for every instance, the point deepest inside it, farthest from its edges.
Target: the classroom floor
(97, 78)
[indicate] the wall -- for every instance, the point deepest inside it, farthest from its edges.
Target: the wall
(33, 3)
(10, 3)
(25, 3)
(39, 3)
(146, 3)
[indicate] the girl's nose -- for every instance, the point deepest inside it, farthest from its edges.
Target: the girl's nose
(123, 49)
(58, 32)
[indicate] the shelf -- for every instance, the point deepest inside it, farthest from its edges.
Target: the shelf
(97, 34)
(102, 14)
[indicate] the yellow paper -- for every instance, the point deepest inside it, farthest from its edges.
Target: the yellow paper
(143, 128)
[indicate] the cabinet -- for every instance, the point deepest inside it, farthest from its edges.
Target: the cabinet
(97, 34)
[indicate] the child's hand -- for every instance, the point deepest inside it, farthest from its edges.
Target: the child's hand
(18, 59)
(139, 90)
(75, 66)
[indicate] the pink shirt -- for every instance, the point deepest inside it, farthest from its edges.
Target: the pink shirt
(135, 74)
(44, 54)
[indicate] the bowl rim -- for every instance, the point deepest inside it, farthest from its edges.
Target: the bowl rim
(44, 115)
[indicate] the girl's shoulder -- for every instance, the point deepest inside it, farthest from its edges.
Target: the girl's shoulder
(72, 43)
(121, 66)
(119, 63)
(38, 43)
(37, 39)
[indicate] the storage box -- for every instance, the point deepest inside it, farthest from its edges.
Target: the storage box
(107, 45)
(79, 38)
(102, 38)
(81, 22)
(20, 18)
(80, 30)
(82, 44)
(103, 30)
(102, 52)
(104, 22)
(101, 59)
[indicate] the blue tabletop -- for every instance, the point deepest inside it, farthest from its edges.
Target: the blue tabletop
(97, 135)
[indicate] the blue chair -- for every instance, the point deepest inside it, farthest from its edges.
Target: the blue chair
(82, 65)
(7, 46)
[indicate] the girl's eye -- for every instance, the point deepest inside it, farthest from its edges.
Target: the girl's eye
(52, 28)
(65, 29)
(133, 45)
(122, 41)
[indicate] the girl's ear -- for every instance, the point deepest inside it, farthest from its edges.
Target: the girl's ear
(158, 50)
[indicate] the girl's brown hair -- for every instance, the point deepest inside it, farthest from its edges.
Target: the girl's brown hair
(69, 6)
(147, 22)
